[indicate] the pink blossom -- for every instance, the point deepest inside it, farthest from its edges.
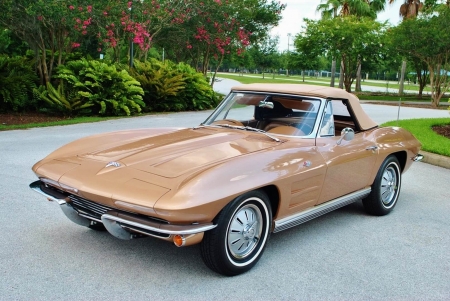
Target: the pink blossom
(71, 7)
(105, 13)
(78, 21)
(80, 8)
(84, 32)
(76, 45)
(99, 49)
(89, 8)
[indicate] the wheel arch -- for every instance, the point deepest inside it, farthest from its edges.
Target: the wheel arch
(401, 157)
(274, 197)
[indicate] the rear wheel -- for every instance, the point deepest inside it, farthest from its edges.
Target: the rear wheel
(385, 188)
(242, 231)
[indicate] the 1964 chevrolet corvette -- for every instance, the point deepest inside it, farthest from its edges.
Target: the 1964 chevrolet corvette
(270, 157)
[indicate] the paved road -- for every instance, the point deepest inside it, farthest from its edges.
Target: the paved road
(365, 88)
(345, 255)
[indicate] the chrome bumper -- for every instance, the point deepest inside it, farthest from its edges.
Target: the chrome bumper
(417, 158)
(121, 224)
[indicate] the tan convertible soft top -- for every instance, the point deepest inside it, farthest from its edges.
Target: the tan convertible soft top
(364, 121)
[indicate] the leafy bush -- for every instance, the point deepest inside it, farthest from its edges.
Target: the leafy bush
(108, 90)
(197, 94)
(173, 87)
(17, 81)
(60, 100)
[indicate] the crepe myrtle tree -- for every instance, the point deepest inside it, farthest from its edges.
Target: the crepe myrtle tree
(428, 39)
(223, 28)
(138, 22)
(354, 40)
(48, 27)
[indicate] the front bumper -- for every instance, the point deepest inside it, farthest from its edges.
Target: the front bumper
(121, 224)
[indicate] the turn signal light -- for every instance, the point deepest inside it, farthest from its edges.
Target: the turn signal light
(178, 240)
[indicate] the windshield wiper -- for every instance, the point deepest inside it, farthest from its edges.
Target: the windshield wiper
(247, 128)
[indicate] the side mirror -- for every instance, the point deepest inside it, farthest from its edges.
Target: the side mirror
(266, 104)
(347, 134)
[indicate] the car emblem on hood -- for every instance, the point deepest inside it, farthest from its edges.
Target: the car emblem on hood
(113, 163)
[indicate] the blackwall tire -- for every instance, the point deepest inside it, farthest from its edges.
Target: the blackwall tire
(385, 188)
(242, 232)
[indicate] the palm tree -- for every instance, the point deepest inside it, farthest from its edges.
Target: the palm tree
(409, 9)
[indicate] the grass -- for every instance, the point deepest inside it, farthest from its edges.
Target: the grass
(421, 129)
(54, 123)
(320, 81)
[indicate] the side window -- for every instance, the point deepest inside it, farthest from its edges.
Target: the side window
(327, 125)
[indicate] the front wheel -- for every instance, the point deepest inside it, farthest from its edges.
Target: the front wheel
(385, 188)
(242, 231)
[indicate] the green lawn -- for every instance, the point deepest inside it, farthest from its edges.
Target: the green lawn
(61, 122)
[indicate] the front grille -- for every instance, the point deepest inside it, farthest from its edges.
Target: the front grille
(94, 209)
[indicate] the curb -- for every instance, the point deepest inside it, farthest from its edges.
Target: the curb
(435, 159)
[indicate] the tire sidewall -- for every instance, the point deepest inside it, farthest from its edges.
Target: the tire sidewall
(260, 200)
(390, 162)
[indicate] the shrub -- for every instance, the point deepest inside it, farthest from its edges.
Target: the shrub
(62, 101)
(17, 81)
(173, 87)
(110, 91)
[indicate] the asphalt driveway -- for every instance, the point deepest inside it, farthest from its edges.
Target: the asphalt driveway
(345, 255)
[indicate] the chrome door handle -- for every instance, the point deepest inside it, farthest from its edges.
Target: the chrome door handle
(372, 148)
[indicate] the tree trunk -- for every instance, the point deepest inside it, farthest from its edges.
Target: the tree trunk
(402, 79)
(341, 75)
(358, 78)
(333, 72)
(215, 71)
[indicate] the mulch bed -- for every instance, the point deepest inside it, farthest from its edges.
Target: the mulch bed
(443, 130)
(25, 118)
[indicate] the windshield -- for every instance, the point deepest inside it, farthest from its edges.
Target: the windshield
(276, 114)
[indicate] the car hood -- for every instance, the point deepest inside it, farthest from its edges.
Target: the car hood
(175, 153)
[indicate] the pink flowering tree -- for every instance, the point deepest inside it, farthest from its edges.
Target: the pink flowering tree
(49, 29)
(220, 28)
(139, 22)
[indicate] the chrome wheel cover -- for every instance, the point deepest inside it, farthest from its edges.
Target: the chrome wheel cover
(244, 231)
(389, 186)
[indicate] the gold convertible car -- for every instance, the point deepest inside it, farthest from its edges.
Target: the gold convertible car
(270, 157)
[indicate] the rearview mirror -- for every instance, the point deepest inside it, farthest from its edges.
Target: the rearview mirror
(266, 104)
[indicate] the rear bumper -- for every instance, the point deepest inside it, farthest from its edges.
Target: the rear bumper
(121, 224)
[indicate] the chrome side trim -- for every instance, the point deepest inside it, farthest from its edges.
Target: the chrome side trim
(123, 221)
(417, 158)
(303, 217)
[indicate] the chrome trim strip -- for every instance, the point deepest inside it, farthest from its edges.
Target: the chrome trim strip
(319, 210)
(417, 158)
(163, 228)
